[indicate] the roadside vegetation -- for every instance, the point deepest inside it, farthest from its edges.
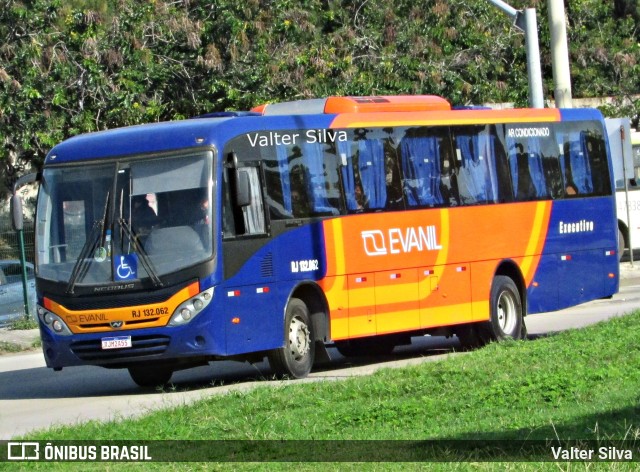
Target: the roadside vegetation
(8, 347)
(21, 324)
(580, 384)
(73, 66)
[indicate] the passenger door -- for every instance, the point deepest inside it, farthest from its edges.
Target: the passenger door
(248, 266)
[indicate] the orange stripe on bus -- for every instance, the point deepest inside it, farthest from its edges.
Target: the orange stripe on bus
(141, 316)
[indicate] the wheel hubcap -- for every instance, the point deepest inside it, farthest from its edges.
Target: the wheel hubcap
(506, 313)
(299, 338)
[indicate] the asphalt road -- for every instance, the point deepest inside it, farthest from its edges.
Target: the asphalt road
(33, 397)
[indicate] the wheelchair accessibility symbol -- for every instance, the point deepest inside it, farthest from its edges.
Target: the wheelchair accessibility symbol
(125, 267)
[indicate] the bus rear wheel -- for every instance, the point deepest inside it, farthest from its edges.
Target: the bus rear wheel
(150, 375)
(506, 319)
(295, 358)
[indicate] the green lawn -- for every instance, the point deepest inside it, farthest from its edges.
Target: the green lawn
(582, 384)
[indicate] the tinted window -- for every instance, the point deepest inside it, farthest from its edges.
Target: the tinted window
(474, 151)
(321, 172)
(583, 159)
(426, 167)
(302, 179)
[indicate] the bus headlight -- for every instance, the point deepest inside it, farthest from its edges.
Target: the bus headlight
(188, 310)
(53, 321)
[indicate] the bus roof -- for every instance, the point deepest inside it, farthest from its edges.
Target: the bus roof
(335, 105)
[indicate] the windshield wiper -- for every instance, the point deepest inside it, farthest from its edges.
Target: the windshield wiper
(144, 257)
(84, 259)
(93, 241)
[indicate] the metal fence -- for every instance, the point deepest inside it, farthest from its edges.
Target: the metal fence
(9, 244)
(11, 295)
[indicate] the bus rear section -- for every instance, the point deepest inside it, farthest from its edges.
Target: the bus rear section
(357, 222)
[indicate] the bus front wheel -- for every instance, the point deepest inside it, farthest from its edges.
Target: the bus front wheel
(506, 320)
(150, 375)
(295, 358)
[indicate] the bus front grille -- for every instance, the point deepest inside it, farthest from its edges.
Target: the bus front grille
(142, 346)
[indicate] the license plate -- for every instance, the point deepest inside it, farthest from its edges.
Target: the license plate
(116, 342)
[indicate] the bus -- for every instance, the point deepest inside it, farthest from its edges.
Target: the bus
(348, 222)
(625, 149)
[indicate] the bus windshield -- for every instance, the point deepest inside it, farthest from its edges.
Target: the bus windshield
(122, 221)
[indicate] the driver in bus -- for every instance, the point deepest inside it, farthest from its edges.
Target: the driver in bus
(143, 218)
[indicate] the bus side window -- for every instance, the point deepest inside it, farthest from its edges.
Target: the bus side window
(448, 177)
(521, 161)
(475, 164)
(300, 189)
(395, 200)
(247, 219)
(504, 186)
(551, 167)
(253, 214)
(350, 178)
(421, 166)
(599, 168)
(370, 165)
(228, 221)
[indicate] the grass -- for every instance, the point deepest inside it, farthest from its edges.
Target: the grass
(8, 347)
(24, 322)
(581, 384)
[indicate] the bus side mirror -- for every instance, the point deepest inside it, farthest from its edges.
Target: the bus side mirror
(17, 219)
(243, 189)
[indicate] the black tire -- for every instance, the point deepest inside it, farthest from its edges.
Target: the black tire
(295, 359)
(149, 376)
(621, 244)
(375, 346)
(507, 317)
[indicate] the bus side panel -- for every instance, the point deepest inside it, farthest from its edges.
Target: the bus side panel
(582, 277)
(338, 304)
(581, 246)
(362, 306)
(256, 295)
(397, 300)
(253, 318)
(542, 294)
(445, 295)
(428, 254)
(481, 279)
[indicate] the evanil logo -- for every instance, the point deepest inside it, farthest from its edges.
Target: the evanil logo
(400, 240)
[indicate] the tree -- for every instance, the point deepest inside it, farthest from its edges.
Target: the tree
(74, 66)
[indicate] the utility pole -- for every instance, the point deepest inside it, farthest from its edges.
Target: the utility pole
(559, 54)
(18, 223)
(526, 21)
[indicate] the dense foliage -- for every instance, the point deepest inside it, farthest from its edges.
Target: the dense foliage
(72, 66)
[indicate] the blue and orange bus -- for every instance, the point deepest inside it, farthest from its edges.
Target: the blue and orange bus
(355, 222)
